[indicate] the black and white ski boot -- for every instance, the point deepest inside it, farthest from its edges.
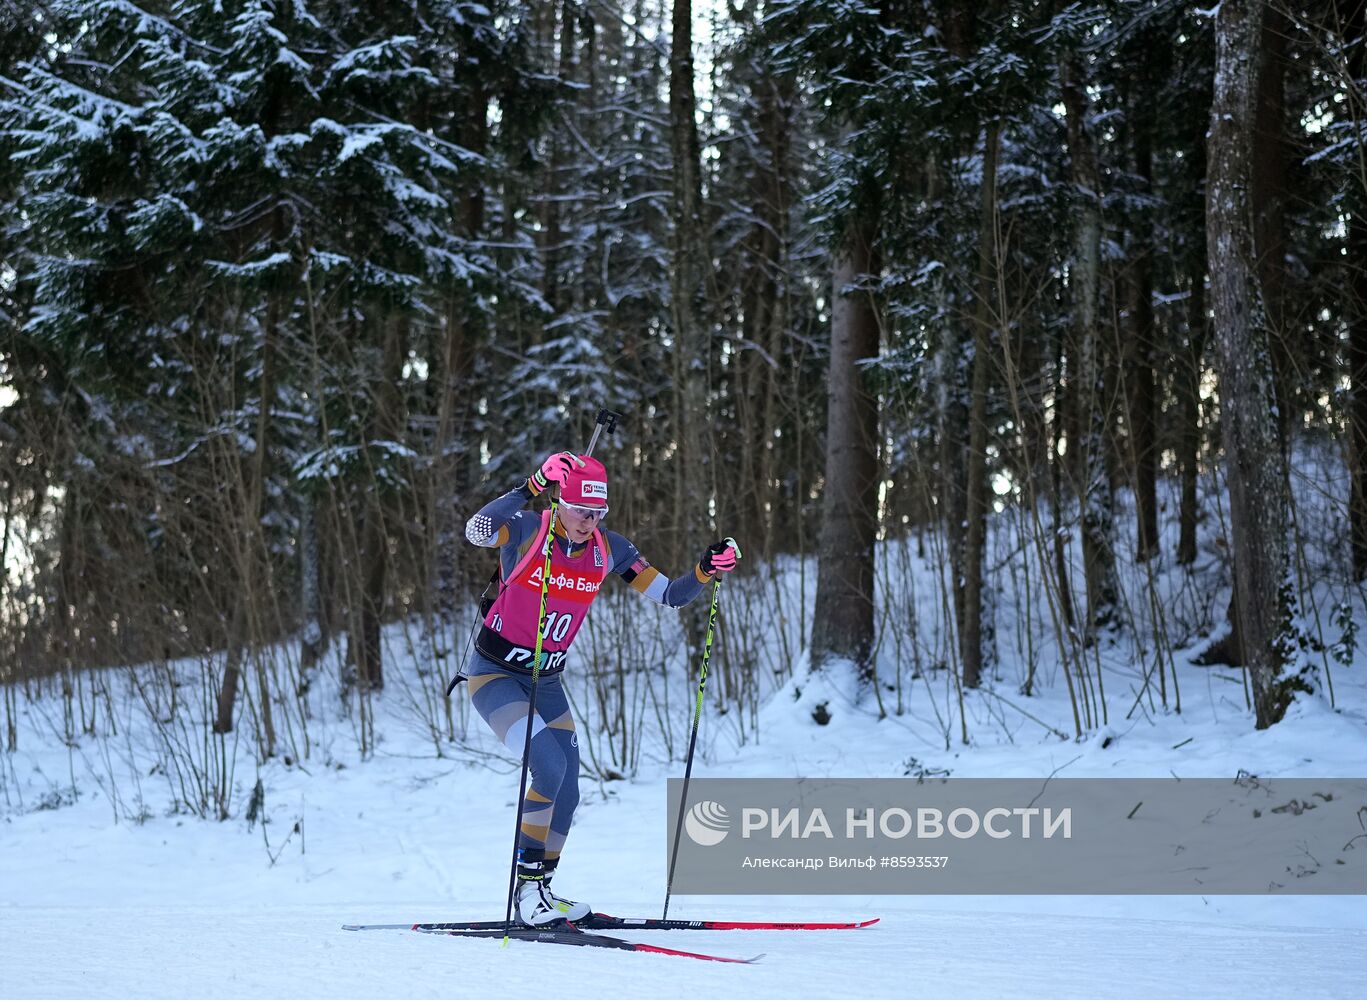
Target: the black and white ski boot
(536, 905)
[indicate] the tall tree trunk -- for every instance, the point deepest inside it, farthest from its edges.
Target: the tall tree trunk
(246, 628)
(1058, 430)
(69, 579)
(1351, 29)
(755, 367)
(842, 624)
(232, 674)
(455, 405)
(1187, 383)
(694, 478)
(1256, 464)
(1031, 459)
(1095, 495)
(1191, 362)
(1063, 405)
(1138, 355)
(387, 425)
(757, 396)
(956, 24)
(951, 416)
(974, 634)
(552, 232)
(314, 637)
(364, 645)
(259, 583)
(1269, 186)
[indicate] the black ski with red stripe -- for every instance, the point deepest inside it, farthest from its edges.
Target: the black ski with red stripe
(564, 934)
(607, 922)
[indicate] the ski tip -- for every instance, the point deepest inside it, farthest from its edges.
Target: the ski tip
(653, 949)
(381, 927)
(868, 923)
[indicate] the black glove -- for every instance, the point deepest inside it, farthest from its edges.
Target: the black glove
(720, 558)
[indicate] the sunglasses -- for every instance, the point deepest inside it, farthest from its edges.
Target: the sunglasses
(595, 513)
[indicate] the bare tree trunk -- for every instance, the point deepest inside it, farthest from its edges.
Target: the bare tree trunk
(1256, 464)
(1138, 351)
(842, 624)
(951, 420)
(1031, 368)
(1269, 187)
(1190, 364)
(1095, 494)
(365, 647)
(756, 395)
(1060, 425)
(232, 673)
(689, 249)
(551, 210)
(246, 624)
(8, 658)
(455, 404)
(1187, 383)
(976, 501)
(258, 552)
(777, 104)
(956, 23)
(314, 640)
(69, 577)
(1351, 31)
(694, 476)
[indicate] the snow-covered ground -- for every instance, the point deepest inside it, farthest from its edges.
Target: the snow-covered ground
(121, 898)
(183, 907)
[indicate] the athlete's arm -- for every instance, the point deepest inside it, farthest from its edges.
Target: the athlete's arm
(631, 566)
(503, 520)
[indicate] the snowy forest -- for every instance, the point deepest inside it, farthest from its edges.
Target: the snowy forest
(1001, 335)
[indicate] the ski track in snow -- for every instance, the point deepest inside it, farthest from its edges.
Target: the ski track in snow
(300, 952)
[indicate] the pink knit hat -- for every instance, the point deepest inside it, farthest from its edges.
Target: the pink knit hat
(587, 485)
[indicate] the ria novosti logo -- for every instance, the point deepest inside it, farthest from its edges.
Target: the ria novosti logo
(707, 824)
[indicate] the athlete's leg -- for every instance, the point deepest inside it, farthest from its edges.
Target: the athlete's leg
(559, 731)
(501, 698)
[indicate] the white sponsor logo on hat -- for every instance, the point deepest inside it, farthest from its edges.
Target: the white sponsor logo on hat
(593, 488)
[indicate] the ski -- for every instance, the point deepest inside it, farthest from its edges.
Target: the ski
(607, 922)
(567, 934)
(604, 921)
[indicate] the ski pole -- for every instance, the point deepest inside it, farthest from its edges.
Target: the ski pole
(693, 736)
(608, 419)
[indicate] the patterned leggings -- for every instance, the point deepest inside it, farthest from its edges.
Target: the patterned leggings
(501, 698)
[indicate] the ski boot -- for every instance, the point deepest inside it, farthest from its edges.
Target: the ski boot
(536, 905)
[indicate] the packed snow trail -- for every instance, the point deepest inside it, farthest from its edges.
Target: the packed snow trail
(73, 953)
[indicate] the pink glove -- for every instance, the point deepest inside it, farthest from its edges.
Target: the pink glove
(720, 558)
(555, 469)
